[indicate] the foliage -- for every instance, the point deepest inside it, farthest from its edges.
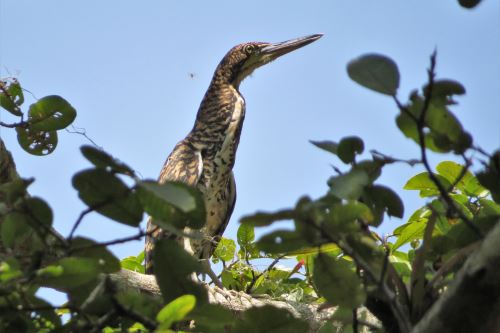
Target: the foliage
(38, 134)
(338, 257)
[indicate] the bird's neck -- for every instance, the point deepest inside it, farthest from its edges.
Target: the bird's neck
(221, 106)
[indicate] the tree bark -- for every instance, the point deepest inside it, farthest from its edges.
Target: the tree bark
(237, 302)
(472, 301)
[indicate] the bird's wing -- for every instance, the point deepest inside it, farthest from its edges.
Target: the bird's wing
(183, 165)
(230, 203)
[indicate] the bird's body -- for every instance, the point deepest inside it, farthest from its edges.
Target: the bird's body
(205, 158)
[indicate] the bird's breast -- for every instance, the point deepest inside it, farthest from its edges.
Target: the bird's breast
(218, 162)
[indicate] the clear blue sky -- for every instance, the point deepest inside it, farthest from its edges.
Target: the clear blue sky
(126, 68)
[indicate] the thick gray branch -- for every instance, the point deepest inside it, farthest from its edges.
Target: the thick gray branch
(237, 302)
(472, 301)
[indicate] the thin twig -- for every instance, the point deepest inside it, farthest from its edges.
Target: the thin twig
(462, 174)
(88, 210)
(138, 236)
(417, 280)
(207, 269)
(14, 125)
(384, 266)
(481, 151)
(102, 321)
(404, 109)
(389, 159)
(83, 132)
(269, 268)
(423, 150)
(78, 221)
(398, 311)
(48, 229)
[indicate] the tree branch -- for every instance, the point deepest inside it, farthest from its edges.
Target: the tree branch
(423, 150)
(471, 303)
(237, 302)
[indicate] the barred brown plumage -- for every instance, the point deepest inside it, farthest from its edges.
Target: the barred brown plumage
(206, 156)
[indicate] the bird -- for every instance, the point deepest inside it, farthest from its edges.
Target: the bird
(204, 159)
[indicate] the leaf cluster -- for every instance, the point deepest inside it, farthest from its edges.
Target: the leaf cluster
(38, 133)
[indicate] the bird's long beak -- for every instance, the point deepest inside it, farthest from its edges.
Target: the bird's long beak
(269, 52)
(276, 50)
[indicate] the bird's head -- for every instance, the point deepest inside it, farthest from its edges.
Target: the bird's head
(244, 58)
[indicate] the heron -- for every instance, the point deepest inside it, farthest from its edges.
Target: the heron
(204, 159)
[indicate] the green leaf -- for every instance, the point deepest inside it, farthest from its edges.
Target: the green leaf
(69, 273)
(175, 203)
(411, 232)
(337, 281)
(281, 241)
(446, 131)
(141, 303)
(38, 211)
(408, 126)
(349, 147)
(32, 213)
(261, 219)
(174, 273)
(14, 97)
(343, 315)
(328, 146)
(51, 113)
(36, 142)
(349, 185)
(460, 236)
(131, 264)
(386, 200)
(467, 183)
(401, 263)
(490, 176)
(134, 263)
(373, 168)
(343, 216)
(176, 310)
(488, 208)
(375, 72)
(101, 159)
(229, 281)
(330, 248)
(108, 195)
(269, 319)
(212, 318)
(15, 229)
(9, 269)
(88, 248)
(425, 185)
(225, 249)
(445, 88)
(15, 189)
(462, 202)
(245, 235)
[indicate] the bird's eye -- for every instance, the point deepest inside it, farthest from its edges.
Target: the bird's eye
(248, 49)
